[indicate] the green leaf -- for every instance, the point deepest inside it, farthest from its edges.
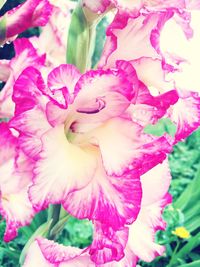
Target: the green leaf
(193, 223)
(193, 264)
(10, 253)
(164, 125)
(191, 196)
(192, 243)
(80, 45)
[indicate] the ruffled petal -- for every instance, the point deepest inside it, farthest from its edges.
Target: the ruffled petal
(32, 13)
(130, 7)
(57, 181)
(53, 37)
(107, 245)
(16, 209)
(35, 257)
(27, 91)
(129, 260)
(146, 69)
(8, 143)
(15, 177)
(155, 198)
(188, 76)
(55, 114)
(26, 55)
(156, 5)
(101, 95)
(97, 6)
(64, 76)
(186, 114)
(55, 253)
(125, 31)
(61, 83)
(113, 201)
(125, 147)
(31, 125)
(46, 253)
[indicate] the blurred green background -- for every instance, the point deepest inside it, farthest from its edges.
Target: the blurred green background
(185, 189)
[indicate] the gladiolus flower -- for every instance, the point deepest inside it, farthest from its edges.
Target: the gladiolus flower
(81, 119)
(150, 61)
(32, 13)
(25, 55)
(53, 38)
(15, 177)
(102, 249)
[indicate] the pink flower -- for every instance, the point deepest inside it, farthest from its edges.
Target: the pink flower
(15, 177)
(32, 13)
(132, 8)
(85, 122)
(25, 55)
(155, 186)
(139, 245)
(97, 6)
(53, 38)
(150, 61)
(45, 253)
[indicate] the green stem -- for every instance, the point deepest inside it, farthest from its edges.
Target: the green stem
(81, 39)
(55, 214)
(171, 262)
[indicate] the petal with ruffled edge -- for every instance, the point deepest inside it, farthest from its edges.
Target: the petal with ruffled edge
(61, 83)
(186, 114)
(111, 200)
(65, 75)
(124, 146)
(15, 176)
(30, 118)
(31, 125)
(32, 13)
(8, 143)
(149, 109)
(156, 5)
(46, 253)
(16, 209)
(146, 68)
(128, 32)
(56, 172)
(27, 91)
(101, 95)
(39, 254)
(56, 253)
(35, 257)
(26, 55)
(108, 245)
(53, 37)
(99, 6)
(130, 7)
(155, 198)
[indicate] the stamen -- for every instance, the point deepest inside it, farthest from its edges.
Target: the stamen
(97, 107)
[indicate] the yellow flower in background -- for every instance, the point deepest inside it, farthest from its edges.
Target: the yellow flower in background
(181, 232)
